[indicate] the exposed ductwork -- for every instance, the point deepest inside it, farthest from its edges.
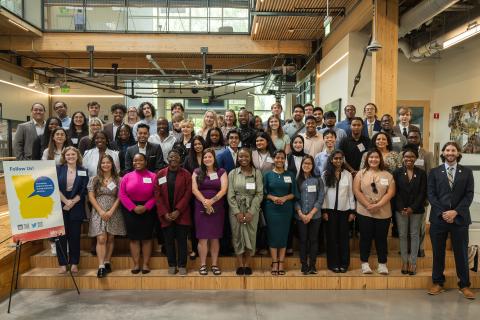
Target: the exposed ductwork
(421, 13)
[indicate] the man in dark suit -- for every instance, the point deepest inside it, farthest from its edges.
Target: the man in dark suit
(152, 151)
(371, 125)
(403, 126)
(450, 192)
(227, 158)
(28, 132)
(118, 113)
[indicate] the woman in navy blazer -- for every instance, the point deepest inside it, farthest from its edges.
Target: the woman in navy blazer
(72, 182)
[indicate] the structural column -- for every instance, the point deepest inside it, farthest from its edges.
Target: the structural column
(385, 61)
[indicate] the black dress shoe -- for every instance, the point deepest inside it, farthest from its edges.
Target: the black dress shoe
(247, 271)
(101, 273)
(145, 271)
(108, 267)
(343, 270)
(304, 269)
(336, 270)
(421, 253)
(135, 271)
(312, 270)
(240, 271)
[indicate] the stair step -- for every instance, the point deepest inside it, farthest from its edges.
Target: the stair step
(48, 278)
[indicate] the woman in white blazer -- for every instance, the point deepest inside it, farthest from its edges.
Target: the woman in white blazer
(92, 156)
(338, 210)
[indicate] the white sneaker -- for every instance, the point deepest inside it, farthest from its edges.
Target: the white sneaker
(53, 248)
(382, 269)
(366, 268)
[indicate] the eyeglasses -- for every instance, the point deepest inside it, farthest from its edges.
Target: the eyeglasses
(374, 187)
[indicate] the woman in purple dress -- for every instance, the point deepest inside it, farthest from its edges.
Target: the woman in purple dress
(209, 185)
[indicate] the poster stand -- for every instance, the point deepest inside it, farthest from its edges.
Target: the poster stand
(16, 268)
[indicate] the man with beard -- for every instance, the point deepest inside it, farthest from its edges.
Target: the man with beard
(247, 134)
(296, 126)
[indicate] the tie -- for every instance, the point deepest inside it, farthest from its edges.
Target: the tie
(405, 132)
(450, 176)
(370, 130)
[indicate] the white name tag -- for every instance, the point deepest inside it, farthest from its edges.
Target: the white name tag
(420, 162)
(269, 160)
(74, 140)
(287, 179)
(147, 180)
(311, 188)
(111, 185)
(396, 139)
(162, 180)
(213, 176)
(361, 147)
(82, 173)
(250, 185)
(188, 145)
(384, 182)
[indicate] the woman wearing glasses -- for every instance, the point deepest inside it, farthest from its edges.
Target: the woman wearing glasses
(374, 187)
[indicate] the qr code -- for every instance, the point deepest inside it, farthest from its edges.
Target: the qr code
(20, 227)
(26, 226)
(40, 224)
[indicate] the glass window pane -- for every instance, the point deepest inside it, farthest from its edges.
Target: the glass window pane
(179, 12)
(215, 25)
(215, 12)
(199, 12)
(14, 6)
(181, 25)
(235, 13)
(199, 25)
(106, 18)
(64, 18)
(237, 25)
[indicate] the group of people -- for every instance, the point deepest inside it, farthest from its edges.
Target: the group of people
(247, 185)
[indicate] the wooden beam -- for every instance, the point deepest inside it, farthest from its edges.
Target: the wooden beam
(356, 20)
(153, 43)
(385, 61)
(12, 25)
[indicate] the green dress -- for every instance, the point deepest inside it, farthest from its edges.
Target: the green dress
(245, 194)
(278, 217)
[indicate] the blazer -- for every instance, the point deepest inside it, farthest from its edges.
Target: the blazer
(225, 160)
(24, 138)
(181, 198)
(443, 198)
(154, 157)
(397, 130)
(108, 129)
(410, 194)
(376, 127)
(77, 212)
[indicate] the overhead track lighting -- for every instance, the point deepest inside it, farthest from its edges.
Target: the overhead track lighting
(18, 25)
(471, 31)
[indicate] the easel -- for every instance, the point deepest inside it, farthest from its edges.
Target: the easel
(16, 267)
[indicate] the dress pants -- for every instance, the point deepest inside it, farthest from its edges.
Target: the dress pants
(226, 246)
(338, 246)
(72, 239)
(308, 236)
(180, 233)
(373, 229)
(459, 237)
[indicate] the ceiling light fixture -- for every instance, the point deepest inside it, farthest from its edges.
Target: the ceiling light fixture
(18, 25)
(472, 30)
(256, 28)
(23, 87)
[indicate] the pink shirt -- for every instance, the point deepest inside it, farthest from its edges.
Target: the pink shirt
(137, 186)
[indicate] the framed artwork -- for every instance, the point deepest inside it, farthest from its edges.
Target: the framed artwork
(464, 123)
(335, 106)
(420, 117)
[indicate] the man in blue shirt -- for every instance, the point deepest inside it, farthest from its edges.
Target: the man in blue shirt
(61, 110)
(350, 112)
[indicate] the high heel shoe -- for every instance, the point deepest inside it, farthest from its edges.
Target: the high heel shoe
(404, 268)
(274, 271)
(281, 272)
(412, 270)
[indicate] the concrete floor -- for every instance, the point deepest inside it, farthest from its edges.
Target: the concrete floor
(232, 305)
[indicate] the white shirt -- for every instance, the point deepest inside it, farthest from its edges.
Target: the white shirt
(57, 155)
(346, 200)
(142, 150)
(298, 163)
(402, 127)
(166, 144)
(39, 127)
(115, 128)
(91, 157)
(234, 155)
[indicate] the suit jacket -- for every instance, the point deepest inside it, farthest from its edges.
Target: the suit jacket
(410, 194)
(443, 198)
(108, 129)
(181, 198)
(397, 130)
(427, 158)
(77, 212)
(225, 160)
(24, 138)
(154, 157)
(376, 127)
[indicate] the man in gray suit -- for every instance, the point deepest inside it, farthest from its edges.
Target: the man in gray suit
(29, 131)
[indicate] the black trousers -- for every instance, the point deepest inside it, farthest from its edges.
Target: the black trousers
(226, 247)
(338, 242)
(373, 229)
(180, 233)
(459, 237)
(308, 236)
(70, 239)
(193, 237)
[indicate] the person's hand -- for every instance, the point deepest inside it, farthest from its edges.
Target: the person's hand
(407, 211)
(351, 217)
(139, 209)
(174, 215)
(67, 208)
(69, 203)
(207, 203)
(307, 218)
(449, 216)
(103, 215)
(239, 216)
(281, 200)
(248, 217)
(325, 216)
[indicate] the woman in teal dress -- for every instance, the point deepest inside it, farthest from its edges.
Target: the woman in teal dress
(280, 192)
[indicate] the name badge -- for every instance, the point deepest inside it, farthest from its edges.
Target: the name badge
(384, 182)
(420, 162)
(213, 176)
(188, 145)
(147, 180)
(162, 180)
(74, 140)
(269, 160)
(82, 173)
(311, 188)
(111, 186)
(361, 147)
(396, 139)
(287, 179)
(250, 185)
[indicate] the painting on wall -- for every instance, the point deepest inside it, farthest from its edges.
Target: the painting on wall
(336, 107)
(464, 123)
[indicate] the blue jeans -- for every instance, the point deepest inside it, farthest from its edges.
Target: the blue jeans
(405, 223)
